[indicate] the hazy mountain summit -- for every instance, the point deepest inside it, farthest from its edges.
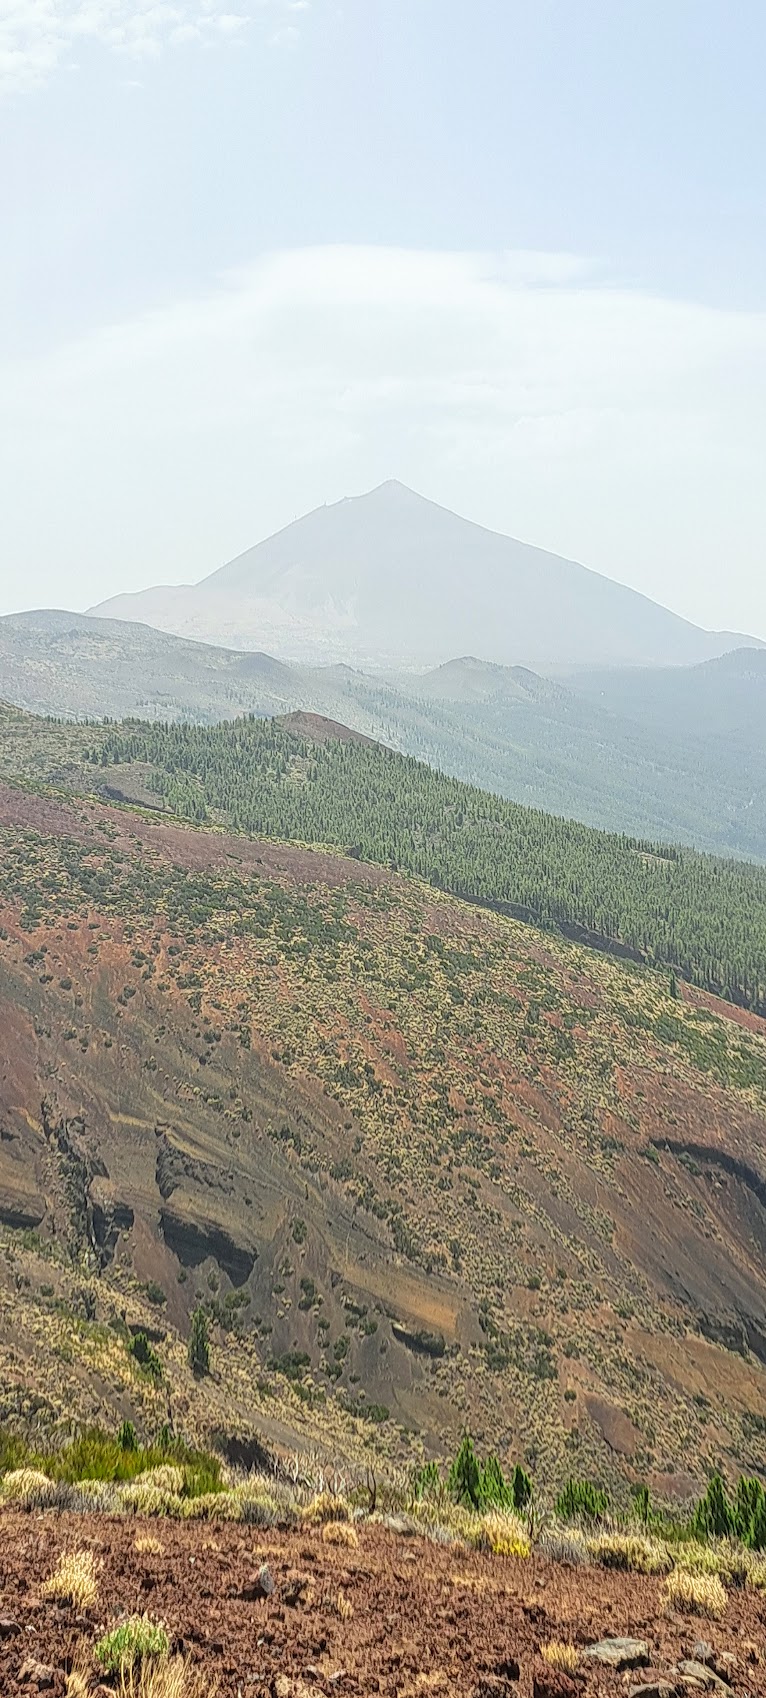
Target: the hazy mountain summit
(391, 578)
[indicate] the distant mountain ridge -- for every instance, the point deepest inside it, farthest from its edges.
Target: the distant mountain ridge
(675, 754)
(390, 578)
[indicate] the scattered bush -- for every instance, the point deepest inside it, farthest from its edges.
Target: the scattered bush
(340, 1533)
(695, 1594)
(565, 1544)
(134, 1640)
(156, 1492)
(504, 1534)
(73, 1580)
(696, 1558)
(634, 1552)
(28, 1488)
(165, 1677)
(325, 1506)
(580, 1500)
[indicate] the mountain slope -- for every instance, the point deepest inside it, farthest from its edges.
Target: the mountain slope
(584, 748)
(706, 917)
(64, 663)
(427, 1163)
(390, 577)
(720, 699)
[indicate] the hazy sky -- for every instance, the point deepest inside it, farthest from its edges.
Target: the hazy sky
(257, 258)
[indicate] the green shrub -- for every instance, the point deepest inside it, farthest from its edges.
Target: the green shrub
(13, 1451)
(750, 1513)
(127, 1437)
(473, 1484)
(199, 1344)
(714, 1515)
(464, 1478)
(581, 1498)
(642, 1504)
(96, 1456)
(145, 1355)
(427, 1481)
(135, 1639)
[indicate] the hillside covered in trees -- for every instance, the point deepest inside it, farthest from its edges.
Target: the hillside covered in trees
(698, 915)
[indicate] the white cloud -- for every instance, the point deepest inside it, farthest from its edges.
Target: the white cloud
(525, 390)
(40, 37)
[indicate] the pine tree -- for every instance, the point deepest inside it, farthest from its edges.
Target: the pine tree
(199, 1344)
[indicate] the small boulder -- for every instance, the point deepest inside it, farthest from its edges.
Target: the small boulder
(296, 1588)
(401, 1525)
(549, 1682)
(706, 1677)
(260, 1585)
(8, 1627)
(652, 1689)
(39, 1675)
(619, 1653)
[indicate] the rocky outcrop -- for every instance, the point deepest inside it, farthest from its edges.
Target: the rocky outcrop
(109, 1217)
(193, 1240)
(175, 1168)
(22, 1213)
(420, 1340)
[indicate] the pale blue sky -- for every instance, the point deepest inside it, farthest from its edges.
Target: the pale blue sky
(168, 400)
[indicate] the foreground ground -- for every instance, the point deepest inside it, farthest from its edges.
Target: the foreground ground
(396, 1615)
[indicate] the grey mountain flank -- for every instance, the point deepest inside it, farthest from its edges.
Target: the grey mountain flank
(390, 578)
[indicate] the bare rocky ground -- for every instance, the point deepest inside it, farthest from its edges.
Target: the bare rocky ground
(395, 1615)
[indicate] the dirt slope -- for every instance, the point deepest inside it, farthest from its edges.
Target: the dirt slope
(420, 1161)
(402, 1618)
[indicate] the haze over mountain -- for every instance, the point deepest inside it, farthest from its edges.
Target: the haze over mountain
(673, 754)
(389, 578)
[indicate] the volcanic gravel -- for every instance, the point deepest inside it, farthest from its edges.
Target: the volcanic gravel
(398, 1616)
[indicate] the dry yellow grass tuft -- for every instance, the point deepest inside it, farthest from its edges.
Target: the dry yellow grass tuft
(634, 1552)
(696, 1594)
(504, 1534)
(80, 1677)
(559, 1654)
(74, 1580)
(344, 1607)
(340, 1533)
(325, 1507)
(147, 1545)
(27, 1488)
(166, 1677)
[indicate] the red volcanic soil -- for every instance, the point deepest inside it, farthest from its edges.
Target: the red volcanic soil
(316, 729)
(726, 1010)
(397, 1616)
(184, 846)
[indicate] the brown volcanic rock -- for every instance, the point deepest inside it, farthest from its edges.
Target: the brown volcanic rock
(456, 1618)
(314, 728)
